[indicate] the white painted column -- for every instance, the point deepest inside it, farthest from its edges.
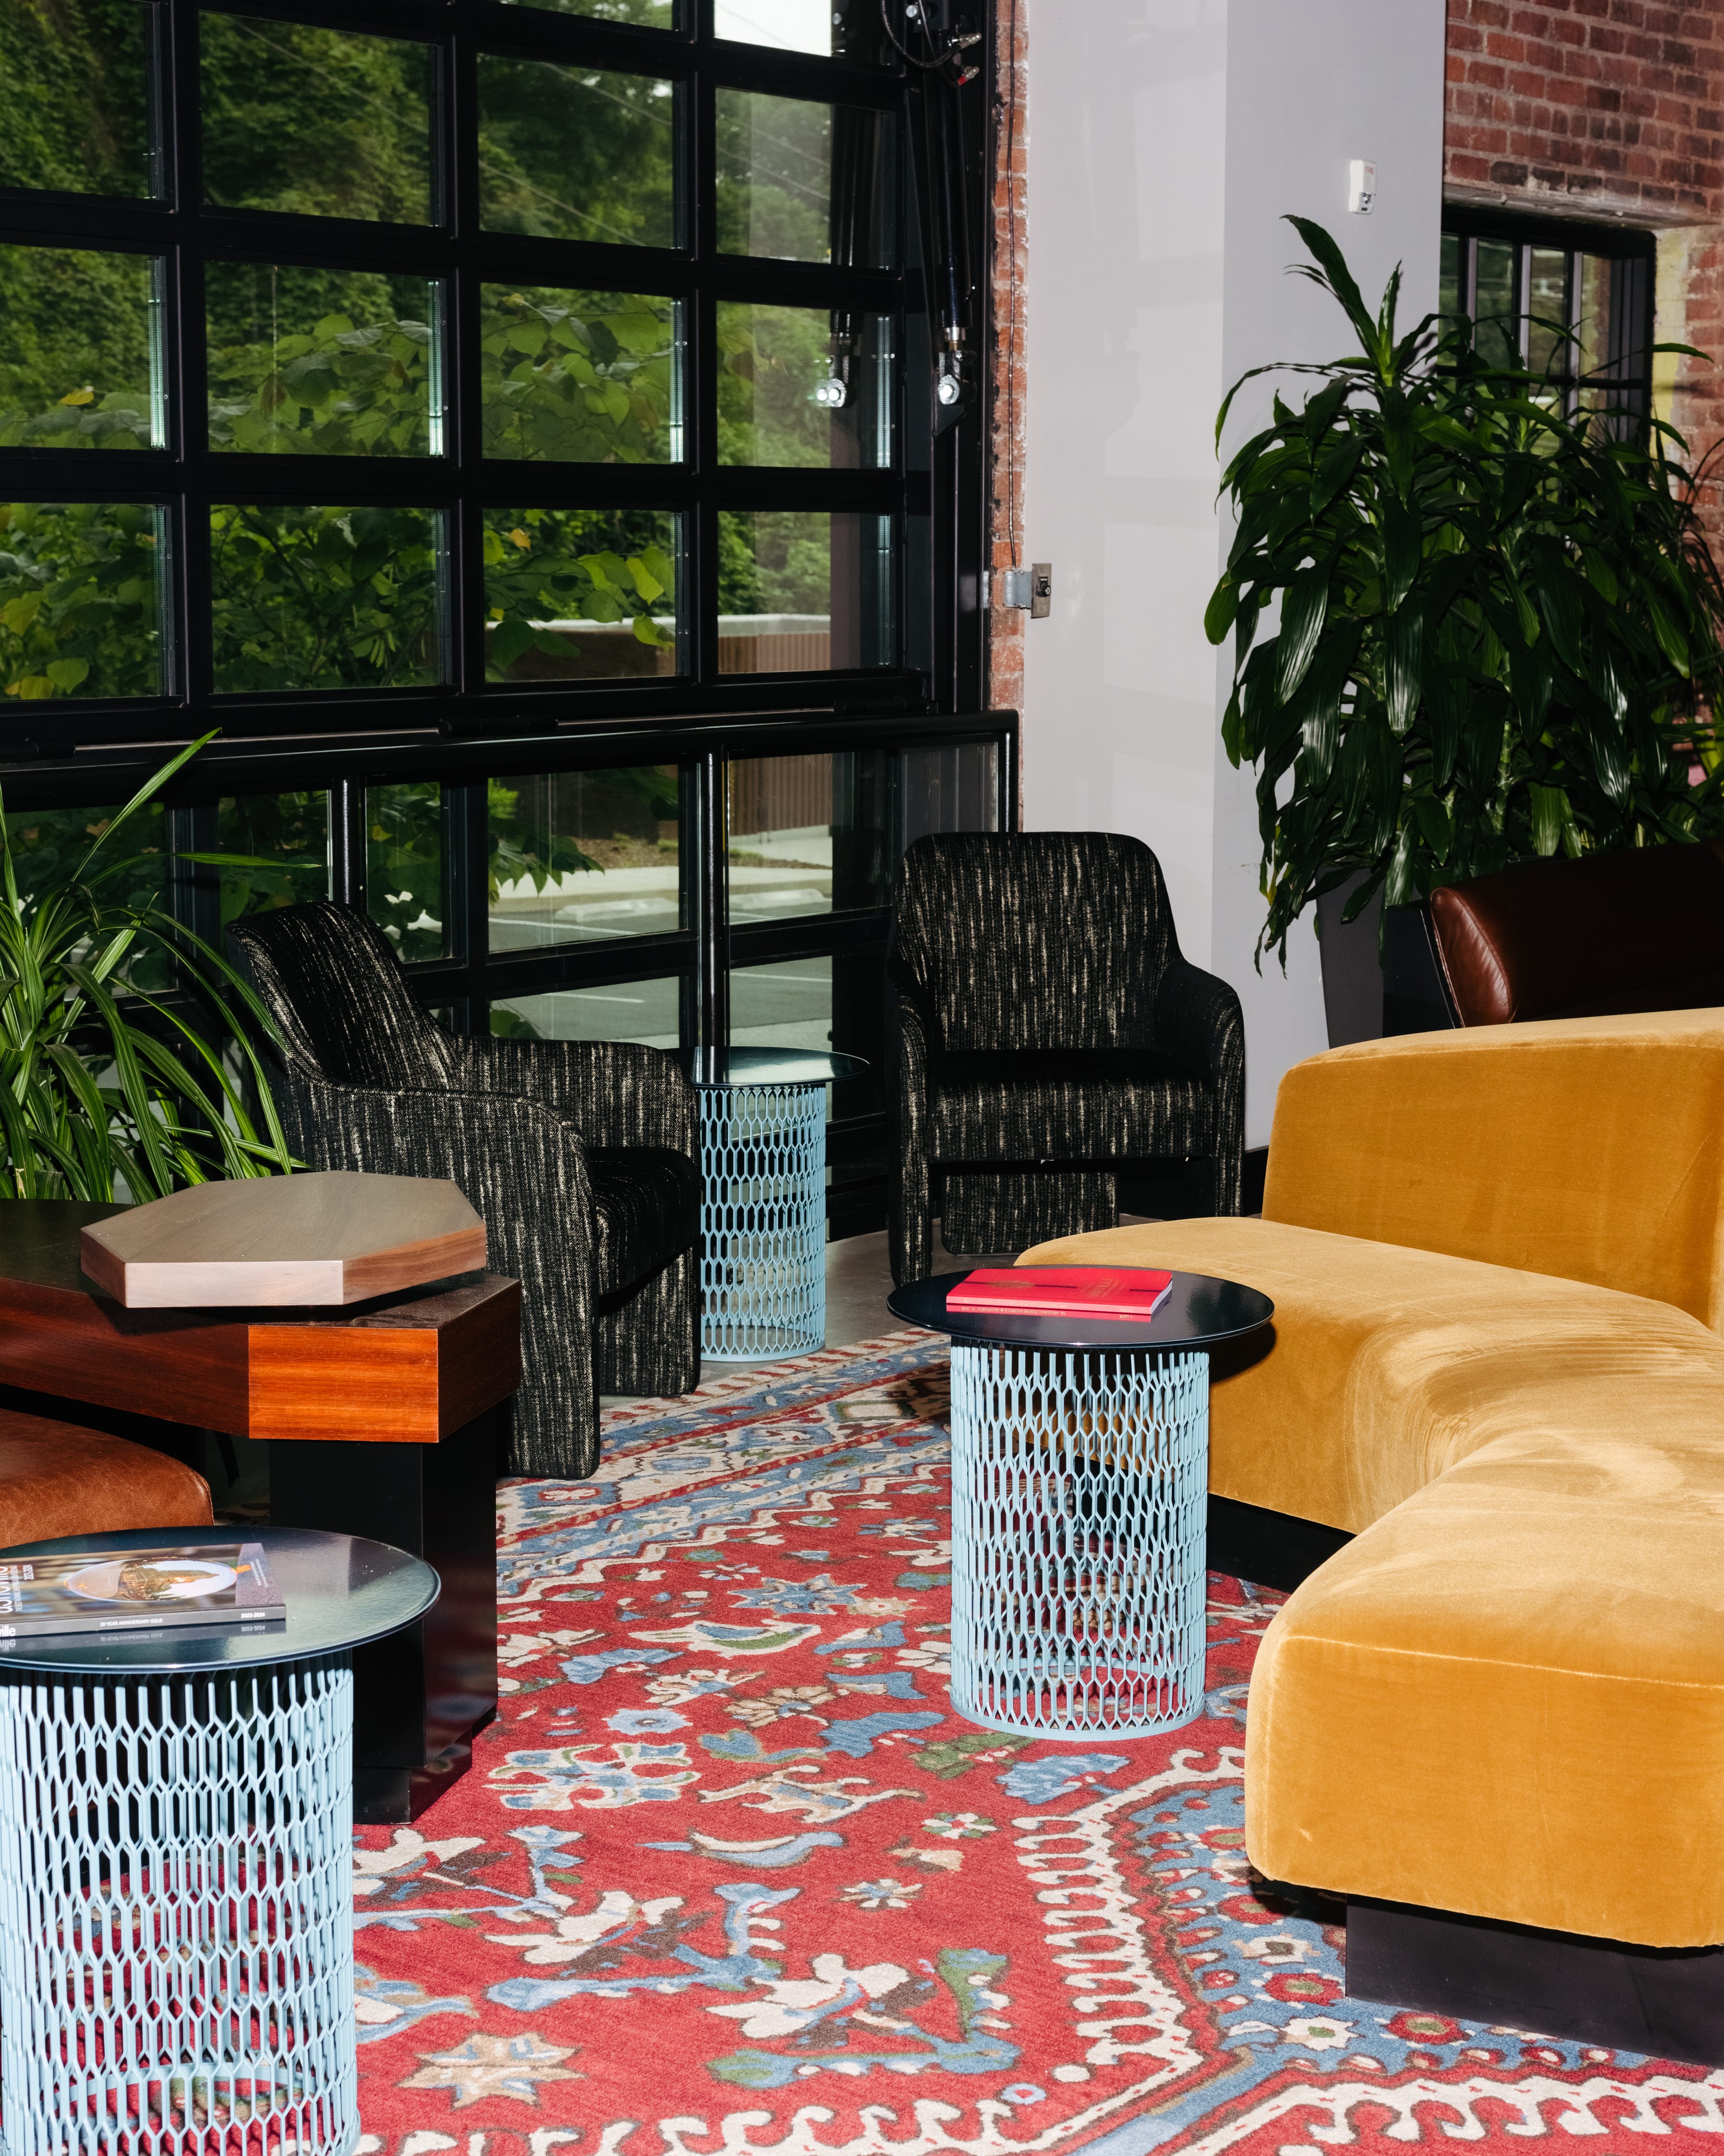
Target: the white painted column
(1167, 139)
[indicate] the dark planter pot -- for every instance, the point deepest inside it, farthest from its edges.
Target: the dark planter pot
(1370, 990)
(1352, 972)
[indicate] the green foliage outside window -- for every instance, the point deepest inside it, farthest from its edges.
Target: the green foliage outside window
(79, 600)
(404, 866)
(320, 123)
(573, 152)
(74, 97)
(546, 565)
(579, 377)
(319, 363)
(325, 598)
(774, 561)
(77, 357)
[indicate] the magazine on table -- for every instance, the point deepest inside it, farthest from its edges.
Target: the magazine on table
(137, 1590)
(1123, 1292)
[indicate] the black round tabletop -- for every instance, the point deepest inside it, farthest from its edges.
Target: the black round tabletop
(770, 1066)
(339, 1592)
(1200, 1312)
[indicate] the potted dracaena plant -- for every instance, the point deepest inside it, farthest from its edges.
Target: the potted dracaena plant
(109, 1082)
(1498, 630)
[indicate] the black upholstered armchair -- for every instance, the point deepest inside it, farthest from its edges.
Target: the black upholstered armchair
(1049, 1034)
(582, 1158)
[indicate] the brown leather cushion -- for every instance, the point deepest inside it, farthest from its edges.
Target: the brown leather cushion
(1638, 930)
(56, 1479)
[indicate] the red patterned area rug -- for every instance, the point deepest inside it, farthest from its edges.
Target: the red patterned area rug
(728, 1875)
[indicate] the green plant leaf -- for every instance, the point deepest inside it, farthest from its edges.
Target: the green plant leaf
(1218, 614)
(1404, 649)
(1550, 817)
(1302, 611)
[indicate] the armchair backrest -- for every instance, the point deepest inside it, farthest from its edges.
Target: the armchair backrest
(329, 978)
(1032, 939)
(1590, 1148)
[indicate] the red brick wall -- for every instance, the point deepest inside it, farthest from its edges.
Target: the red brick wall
(1005, 357)
(1607, 109)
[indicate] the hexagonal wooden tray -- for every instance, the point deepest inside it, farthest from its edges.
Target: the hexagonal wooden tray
(309, 1239)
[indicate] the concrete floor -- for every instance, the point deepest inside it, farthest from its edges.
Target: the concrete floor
(858, 1278)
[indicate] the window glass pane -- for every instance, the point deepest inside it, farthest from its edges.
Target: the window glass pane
(326, 598)
(318, 122)
(580, 377)
(80, 362)
(841, 29)
(80, 599)
(404, 866)
(648, 1011)
(803, 183)
(780, 856)
(802, 591)
(277, 851)
(1448, 275)
(75, 96)
(1594, 325)
(785, 1004)
(324, 362)
(48, 844)
(566, 152)
(584, 856)
(576, 594)
(1548, 350)
(812, 834)
(648, 14)
(1494, 305)
(802, 386)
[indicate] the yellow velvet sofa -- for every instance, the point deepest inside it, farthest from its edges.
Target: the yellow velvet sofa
(1497, 1262)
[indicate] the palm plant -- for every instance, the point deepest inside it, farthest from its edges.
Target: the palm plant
(1499, 623)
(104, 1080)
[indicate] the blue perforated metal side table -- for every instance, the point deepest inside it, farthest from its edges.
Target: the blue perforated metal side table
(176, 1854)
(763, 1198)
(1080, 1480)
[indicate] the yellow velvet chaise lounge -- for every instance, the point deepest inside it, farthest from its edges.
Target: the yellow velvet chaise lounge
(1497, 1262)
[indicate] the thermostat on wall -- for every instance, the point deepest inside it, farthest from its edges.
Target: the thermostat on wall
(1361, 187)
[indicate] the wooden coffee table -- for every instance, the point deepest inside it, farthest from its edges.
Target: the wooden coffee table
(381, 1420)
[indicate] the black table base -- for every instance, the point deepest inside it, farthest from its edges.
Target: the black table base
(423, 1694)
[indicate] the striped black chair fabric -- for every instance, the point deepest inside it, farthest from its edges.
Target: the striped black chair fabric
(1049, 1034)
(583, 1158)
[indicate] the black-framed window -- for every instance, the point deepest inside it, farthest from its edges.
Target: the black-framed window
(722, 880)
(1572, 303)
(469, 363)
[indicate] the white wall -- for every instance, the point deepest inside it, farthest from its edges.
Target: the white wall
(1166, 139)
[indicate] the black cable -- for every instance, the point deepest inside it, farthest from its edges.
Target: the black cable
(928, 67)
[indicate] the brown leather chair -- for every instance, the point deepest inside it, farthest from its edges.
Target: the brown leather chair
(57, 1479)
(1637, 930)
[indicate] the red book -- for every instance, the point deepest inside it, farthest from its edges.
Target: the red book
(1063, 1291)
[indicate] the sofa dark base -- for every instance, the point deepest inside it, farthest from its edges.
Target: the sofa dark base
(1667, 2001)
(1274, 1549)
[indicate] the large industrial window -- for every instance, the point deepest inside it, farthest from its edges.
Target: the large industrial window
(463, 364)
(1570, 303)
(516, 426)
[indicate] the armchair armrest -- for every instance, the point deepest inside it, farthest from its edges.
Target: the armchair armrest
(909, 1164)
(517, 1161)
(1198, 1023)
(617, 1092)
